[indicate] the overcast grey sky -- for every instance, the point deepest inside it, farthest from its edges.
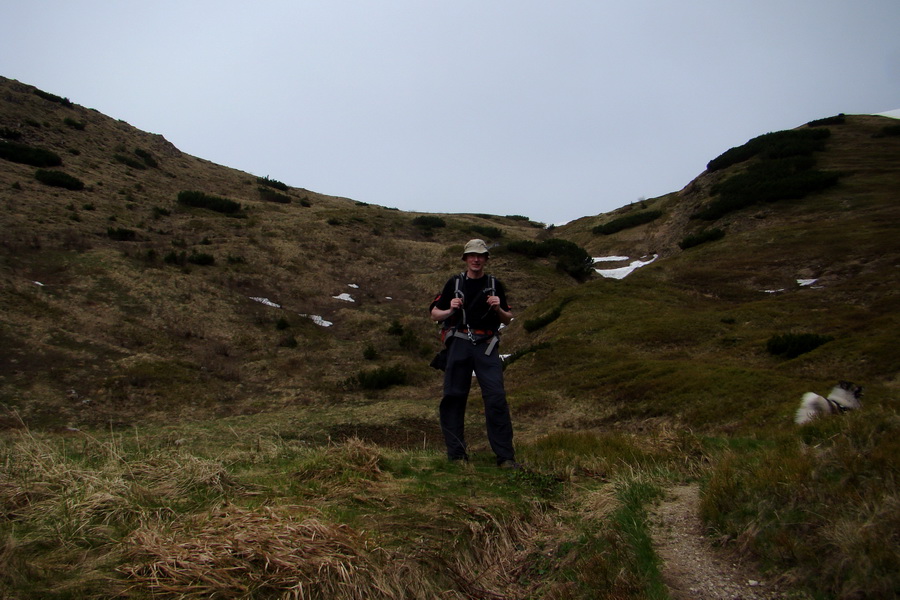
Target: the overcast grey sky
(552, 110)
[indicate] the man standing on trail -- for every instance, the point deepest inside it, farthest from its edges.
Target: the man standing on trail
(472, 306)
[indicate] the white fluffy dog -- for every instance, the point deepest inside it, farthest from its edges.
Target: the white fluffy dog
(843, 397)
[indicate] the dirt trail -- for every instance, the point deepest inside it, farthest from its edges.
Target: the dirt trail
(692, 568)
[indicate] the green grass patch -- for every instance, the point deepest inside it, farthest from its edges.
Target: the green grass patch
(819, 509)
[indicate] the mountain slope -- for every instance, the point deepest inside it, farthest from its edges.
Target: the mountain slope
(112, 314)
(684, 338)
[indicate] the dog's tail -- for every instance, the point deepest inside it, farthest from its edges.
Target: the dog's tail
(811, 406)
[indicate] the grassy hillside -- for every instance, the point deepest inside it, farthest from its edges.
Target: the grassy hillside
(175, 422)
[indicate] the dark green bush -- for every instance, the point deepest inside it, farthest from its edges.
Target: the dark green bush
(130, 162)
(835, 120)
(288, 341)
(779, 144)
(429, 222)
(273, 183)
(545, 319)
(175, 258)
(10, 134)
(792, 345)
(70, 122)
(282, 324)
(121, 234)
(59, 179)
(891, 130)
(571, 258)
(202, 259)
(380, 378)
(627, 222)
(28, 155)
(491, 233)
(524, 351)
(53, 98)
(768, 181)
(147, 157)
(273, 196)
(201, 200)
(708, 235)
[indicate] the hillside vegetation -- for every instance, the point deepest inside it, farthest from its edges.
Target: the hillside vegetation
(214, 384)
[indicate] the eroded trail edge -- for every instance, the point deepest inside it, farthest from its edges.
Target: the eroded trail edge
(692, 568)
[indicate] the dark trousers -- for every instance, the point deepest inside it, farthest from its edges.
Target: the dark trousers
(463, 358)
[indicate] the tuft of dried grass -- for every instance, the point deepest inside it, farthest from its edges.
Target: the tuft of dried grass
(240, 553)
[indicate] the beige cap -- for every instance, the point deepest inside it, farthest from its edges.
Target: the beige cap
(475, 247)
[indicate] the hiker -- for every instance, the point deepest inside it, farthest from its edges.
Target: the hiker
(472, 306)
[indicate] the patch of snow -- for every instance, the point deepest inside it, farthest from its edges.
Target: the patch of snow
(388, 298)
(345, 297)
(38, 283)
(609, 258)
(622, 272)
(265, 301)
(318, 320)
(806, 282)
(353, 285)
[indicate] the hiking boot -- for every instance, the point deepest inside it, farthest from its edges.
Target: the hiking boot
(510, 465)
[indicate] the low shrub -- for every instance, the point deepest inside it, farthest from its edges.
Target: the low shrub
(59, 179)
(707, 235)
(784, 178)
(627, 222)
(272, 196)
(10, 134)
(792, 345)
(121, 234)
(380, 378)
(779, 144)
(835, 120)
(28, 155)
(70, 122)
(890, 130)
(488, 232)
(53, 98)
(215, 203)
(175, 258)
(147, 157)
(429, 222)
(202, 259)
(272, 183)
(571, 258)
(536, 323)
(523, 352)
(130, 162)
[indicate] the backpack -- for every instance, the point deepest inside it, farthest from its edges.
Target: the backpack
(451, 325)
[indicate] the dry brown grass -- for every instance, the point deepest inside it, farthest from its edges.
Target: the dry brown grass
(238, 553)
